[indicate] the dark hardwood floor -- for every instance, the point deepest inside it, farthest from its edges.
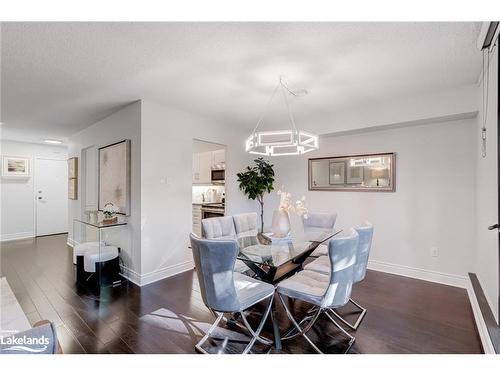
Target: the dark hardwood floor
(404, 315)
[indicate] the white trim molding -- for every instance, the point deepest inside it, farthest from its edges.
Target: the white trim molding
(16, 236)
(419, 273)
(131, 275)
(157, 275)
(480, 323)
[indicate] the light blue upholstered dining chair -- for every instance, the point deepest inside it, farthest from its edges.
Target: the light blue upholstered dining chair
(225, 291)
(222, 228)
(322, 264)
(316, 221)
(325, 292)
(246, 224)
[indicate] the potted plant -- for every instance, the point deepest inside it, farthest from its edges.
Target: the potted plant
(255, 181)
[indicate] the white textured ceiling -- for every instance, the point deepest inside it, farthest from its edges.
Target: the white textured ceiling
(58, 78)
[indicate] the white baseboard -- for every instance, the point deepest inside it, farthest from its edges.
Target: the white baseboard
(419, 273)
(165, 272)
(480, 324)
(131, 275)
(157, 275)
(16, 236)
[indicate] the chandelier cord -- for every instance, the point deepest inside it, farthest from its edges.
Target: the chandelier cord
(290, 116)
(266, 107)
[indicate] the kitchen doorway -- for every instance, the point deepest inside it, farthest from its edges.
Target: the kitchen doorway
(208, 188)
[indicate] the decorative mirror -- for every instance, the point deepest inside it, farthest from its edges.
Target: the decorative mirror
(370, 172)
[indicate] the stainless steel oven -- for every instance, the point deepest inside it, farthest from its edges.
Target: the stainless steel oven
(218, 176)
(209, 210)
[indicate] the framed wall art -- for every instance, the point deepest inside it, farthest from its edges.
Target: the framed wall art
(73, 178)
(355, 174)
(114, 176)
(337, 173)
(16, 166)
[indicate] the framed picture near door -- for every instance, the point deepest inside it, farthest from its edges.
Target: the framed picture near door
(16, 166)
(114, 176)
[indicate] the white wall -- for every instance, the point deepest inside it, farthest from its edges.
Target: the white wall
(434, 200)
(17, 195)
(123, 124)
(413, 107)
(166, 174)
(486, 254)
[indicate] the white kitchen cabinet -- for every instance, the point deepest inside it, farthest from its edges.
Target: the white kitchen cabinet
(204, 162)
(205, 167)
(202, 168)
(219, 159)
(197, 219)
(196, 168)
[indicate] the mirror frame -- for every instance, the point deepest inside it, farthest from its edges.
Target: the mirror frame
(391, 188)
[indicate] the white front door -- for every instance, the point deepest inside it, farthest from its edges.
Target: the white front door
(51, 195)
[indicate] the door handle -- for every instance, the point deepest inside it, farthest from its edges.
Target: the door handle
(40, 198)
(494, 226)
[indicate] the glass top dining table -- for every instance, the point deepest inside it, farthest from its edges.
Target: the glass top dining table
(273, 259)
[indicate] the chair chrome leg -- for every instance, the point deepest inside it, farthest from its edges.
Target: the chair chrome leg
(354, 326)
(312, 309)
(301, 332)
(351, 338)
(256, 334)
(207, 335)
(310, 316)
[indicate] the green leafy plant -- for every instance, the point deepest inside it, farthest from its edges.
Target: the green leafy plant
(255, 181)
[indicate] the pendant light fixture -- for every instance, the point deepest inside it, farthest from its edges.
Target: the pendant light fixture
(281, 142)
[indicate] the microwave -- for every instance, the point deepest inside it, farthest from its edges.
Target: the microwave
(218, 176)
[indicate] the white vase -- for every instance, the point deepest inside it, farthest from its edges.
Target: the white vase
(281, 223)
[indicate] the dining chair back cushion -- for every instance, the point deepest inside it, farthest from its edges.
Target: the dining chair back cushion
(245, 224)
(218, 228)
(342, 253)
(365, 233)
(317, 220)
(214, 261)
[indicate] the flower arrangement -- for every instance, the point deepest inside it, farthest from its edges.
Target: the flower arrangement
(287, 205)
(109, 210)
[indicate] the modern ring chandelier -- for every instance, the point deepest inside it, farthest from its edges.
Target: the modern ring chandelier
(281, 142)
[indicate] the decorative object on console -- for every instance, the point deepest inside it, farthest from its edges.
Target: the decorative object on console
(73, 178)
(281, 219)
(109, 212)
(369, 172)
(16, 166)
(114, 176)
(256, 181)
(282, 142)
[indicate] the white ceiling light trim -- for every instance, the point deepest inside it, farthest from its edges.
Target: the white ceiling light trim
(281, 142)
